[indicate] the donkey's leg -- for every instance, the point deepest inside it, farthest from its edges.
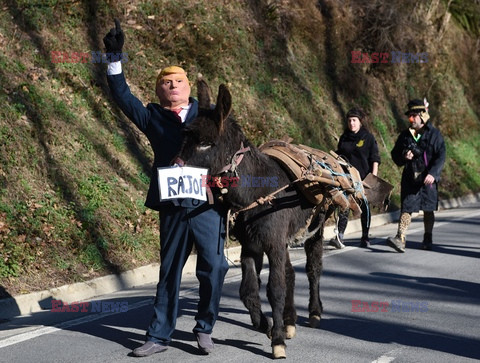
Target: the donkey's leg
(249, 289)
(276, 293)
(290, 313)
(314, 252)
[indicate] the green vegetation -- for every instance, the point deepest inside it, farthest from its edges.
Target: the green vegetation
(466, 13)
(74, 171)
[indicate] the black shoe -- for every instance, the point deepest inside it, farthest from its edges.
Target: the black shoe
(427, 246)
(205, 343)
(427, 241)
(364, 242)
(149, 348)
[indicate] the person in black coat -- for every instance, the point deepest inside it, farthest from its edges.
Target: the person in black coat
(183, 222)
(420, 149)
(359, 147)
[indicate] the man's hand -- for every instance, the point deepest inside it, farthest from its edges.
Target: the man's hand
(114, 39)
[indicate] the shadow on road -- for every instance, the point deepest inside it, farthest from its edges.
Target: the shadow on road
(381, 332)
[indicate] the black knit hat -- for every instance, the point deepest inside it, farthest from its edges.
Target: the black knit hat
(415, 106)
(356, 112)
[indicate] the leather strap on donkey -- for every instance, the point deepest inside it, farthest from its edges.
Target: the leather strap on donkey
(319, 175)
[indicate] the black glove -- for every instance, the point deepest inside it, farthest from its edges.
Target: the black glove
(114, 42)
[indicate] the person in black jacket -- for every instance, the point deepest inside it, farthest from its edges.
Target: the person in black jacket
(183, 222)
(360, 148)
(421, 151)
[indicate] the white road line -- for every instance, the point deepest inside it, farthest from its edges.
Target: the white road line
(27, 336)
(389, 356)
(84, 319)
(384, 359)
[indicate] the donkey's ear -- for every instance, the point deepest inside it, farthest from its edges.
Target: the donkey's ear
(223, 106)
(203, 94)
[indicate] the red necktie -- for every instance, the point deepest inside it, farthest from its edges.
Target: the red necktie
(177, 111)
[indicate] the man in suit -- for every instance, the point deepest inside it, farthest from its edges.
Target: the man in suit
(183, 222)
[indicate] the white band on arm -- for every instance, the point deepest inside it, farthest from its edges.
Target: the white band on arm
(114, 68)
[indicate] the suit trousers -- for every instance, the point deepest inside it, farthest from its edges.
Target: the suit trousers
(180, 229)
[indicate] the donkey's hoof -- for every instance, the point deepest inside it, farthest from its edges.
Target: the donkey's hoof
(290, 331)
(314, 320)
(279, 352)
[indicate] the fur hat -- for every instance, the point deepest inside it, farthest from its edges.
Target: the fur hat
(356, 112)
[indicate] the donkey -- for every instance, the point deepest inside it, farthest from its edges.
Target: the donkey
(216, 141)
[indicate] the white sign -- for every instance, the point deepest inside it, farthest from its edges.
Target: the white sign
(182, 182)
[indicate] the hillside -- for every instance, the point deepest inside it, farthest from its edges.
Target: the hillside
(74, 171)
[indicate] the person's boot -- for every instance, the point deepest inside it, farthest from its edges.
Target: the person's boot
(364, 242)
(397, 242)
(205, 342)
(337, 241)
(427, 241)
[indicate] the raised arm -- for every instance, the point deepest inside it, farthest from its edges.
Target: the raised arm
(130, 105)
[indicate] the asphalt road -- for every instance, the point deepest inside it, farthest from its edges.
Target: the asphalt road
(443, 284)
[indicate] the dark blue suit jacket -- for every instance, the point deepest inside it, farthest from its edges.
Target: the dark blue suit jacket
(162, 129)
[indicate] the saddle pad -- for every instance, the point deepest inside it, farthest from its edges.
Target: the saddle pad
(320, 171)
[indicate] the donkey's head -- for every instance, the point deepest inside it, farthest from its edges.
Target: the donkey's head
(213, 137)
